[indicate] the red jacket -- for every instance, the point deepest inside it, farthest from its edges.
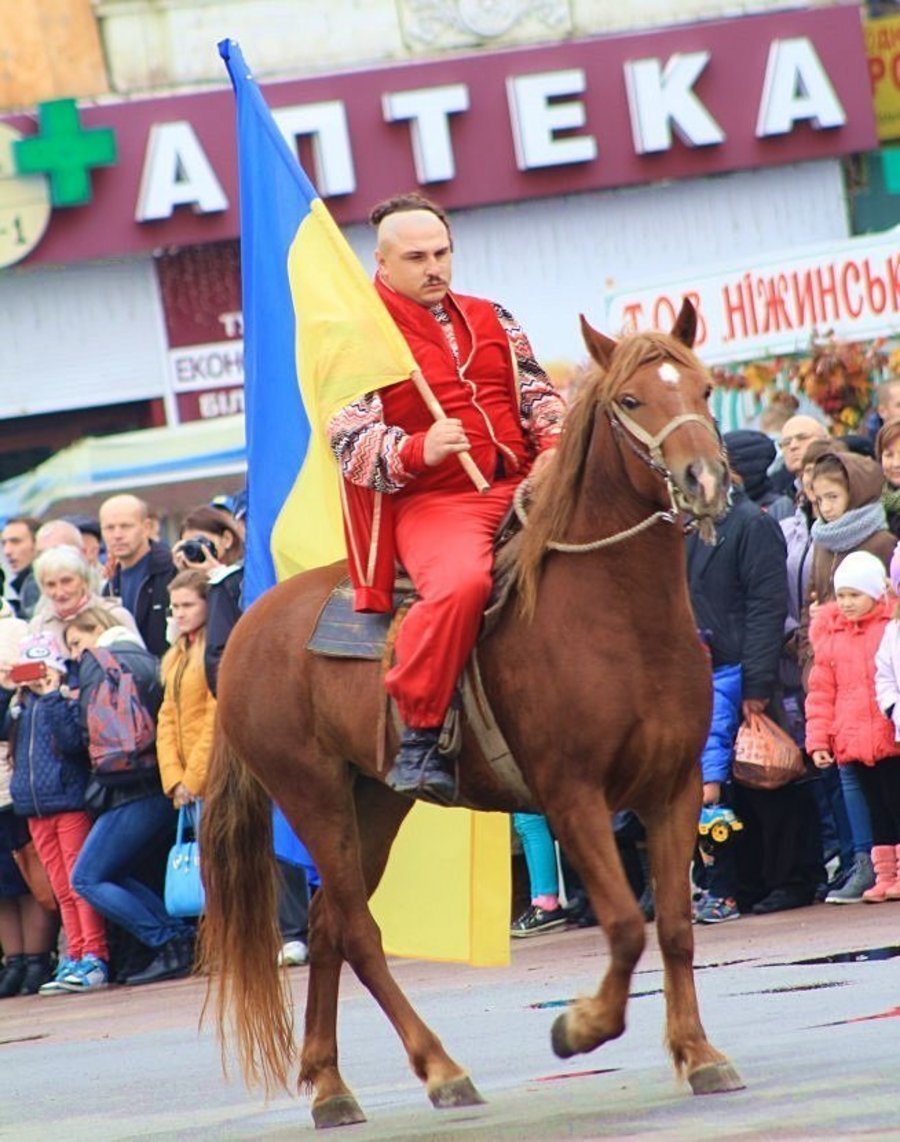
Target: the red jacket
(483, 392)
(842, 713)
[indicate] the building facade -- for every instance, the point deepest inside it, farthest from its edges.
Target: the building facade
(582, 146)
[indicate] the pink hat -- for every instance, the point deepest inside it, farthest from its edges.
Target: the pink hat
(42, 648)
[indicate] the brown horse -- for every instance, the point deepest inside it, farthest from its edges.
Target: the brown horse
(600, 684)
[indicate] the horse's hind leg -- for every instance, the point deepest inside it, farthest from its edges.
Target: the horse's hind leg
(341, 927)
(586, 834)
(671, 837)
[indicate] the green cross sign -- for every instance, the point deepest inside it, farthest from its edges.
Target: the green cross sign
(65, 151)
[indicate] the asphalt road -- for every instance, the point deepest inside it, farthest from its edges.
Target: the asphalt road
(818, 1045)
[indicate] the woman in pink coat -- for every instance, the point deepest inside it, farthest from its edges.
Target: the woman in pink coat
(844, 722)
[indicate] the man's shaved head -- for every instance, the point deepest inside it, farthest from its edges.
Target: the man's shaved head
(407, 204)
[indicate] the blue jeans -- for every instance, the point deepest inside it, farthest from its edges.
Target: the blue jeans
(540, 853)
(102, 873)
(857, 808)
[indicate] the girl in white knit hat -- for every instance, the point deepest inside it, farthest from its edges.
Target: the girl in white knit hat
(844, 722)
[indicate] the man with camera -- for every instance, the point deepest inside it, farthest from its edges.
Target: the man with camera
(212, 541)
(139, 568)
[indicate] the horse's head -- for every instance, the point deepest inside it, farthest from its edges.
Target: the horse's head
(655, 393)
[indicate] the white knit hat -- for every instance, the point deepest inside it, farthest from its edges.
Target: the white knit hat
(861, 571)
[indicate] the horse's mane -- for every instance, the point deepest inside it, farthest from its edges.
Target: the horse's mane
(551, 509)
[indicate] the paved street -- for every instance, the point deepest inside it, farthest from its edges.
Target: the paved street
(816, 1043)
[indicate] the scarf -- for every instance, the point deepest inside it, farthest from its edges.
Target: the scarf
(890, 498)
(853, 528)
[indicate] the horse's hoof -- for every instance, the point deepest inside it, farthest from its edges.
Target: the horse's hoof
(339, 1110)
(715, 1078)
(456, 1092)
(559, 1038)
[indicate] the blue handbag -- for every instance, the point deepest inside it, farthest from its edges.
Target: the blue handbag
(184, 895)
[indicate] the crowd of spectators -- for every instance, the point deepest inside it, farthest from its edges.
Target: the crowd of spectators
(82, 846)
(768, 589)
(778, 601)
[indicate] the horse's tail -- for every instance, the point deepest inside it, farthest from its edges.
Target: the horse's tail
(239, 938)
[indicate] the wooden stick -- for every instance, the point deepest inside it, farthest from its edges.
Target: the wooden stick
(434, 407)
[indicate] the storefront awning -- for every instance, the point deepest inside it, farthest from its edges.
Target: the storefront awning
(170, 468)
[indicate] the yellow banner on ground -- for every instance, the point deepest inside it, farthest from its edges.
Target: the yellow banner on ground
(447, 889)
(883, 50)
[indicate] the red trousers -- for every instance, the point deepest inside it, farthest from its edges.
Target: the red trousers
(58, 840)
(444, 541)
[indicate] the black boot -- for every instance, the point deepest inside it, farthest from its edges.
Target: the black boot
(420, 770)
(38, 969)
(172, 961)
(12, 976)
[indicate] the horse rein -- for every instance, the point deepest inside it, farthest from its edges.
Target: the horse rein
(626, 427)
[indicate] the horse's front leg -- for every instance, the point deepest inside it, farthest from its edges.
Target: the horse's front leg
(671, 837)
(585, 832)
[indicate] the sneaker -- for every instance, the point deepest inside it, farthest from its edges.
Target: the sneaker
(860, 880)
(89, 974)
(535, 920)
(714, 911)
(54, 986)
(293, 954)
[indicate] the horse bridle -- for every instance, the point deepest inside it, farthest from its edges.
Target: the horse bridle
(627, 429)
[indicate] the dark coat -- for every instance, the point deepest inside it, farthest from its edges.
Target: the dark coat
(151, 610)
(50, 762)
(116, 789)
(223, 609)
(738, 588)
(25, 593)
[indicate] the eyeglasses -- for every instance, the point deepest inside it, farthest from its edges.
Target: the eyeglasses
(787, 441)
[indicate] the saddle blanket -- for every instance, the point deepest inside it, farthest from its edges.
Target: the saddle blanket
(341, 632)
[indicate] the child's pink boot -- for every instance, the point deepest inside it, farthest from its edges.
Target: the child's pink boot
(893, 893)
(884, 862)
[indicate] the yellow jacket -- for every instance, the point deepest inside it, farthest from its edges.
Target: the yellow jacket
(185, 728)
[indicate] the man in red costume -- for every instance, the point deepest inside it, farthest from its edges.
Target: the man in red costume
(500, 408)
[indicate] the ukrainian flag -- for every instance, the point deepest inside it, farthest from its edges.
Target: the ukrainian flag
(317, 337)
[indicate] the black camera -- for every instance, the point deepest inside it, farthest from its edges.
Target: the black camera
(193, 549)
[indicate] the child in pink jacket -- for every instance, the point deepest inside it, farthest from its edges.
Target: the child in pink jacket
(887, 691)
(844, 719)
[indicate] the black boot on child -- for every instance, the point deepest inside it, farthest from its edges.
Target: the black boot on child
(12, 976)
(38, 970)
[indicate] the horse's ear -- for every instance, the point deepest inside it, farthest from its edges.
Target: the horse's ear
(685, 327)
(600, 348)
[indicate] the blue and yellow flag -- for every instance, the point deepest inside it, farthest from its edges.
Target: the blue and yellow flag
(317, 337)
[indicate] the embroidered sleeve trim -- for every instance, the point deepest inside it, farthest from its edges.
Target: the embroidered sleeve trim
(368, 450)
(541, 408)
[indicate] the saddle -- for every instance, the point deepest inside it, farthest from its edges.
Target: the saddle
(341, 632)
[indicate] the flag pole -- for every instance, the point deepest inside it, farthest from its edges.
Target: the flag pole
(434, 407)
